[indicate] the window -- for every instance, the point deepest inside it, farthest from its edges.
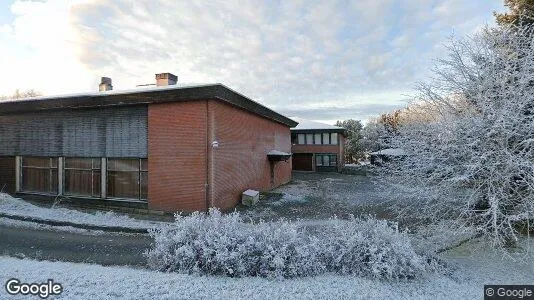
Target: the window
(317, 139)
(326, 138)
(301, 139)
(82, 176)
(127, 178)
(333, 160)
(144, 178)
(333, 138)
(318, 160)
(325, 160)
(309, 138)
(39, 174)
(293, 139)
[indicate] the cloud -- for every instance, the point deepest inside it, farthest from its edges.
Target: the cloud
(331, 114)
(285, 54)
(36, 52)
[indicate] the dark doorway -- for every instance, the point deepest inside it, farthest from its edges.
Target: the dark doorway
(303, 161)
(7, 174)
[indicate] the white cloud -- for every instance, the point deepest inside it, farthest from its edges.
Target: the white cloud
(293, 52)
(6, 29)
(36, 51)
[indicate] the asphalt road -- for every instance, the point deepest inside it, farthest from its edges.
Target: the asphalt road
(103, 249)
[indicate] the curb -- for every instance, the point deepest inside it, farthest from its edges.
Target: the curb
(458, 244)
(77, 225)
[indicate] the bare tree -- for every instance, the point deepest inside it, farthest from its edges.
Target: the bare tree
(21, 94)
(474, 163)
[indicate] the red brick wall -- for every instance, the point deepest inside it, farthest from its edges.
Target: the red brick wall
(177, 156)
(240, 162)
(316, 149)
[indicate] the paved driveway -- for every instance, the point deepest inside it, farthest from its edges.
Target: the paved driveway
(103, 249)
(316, 196)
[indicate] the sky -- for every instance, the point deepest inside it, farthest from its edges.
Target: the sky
(318, 60)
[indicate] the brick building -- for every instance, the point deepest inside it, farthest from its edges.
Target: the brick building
(169, 147)
(317, 147)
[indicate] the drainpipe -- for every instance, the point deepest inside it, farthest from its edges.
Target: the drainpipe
(208, 160)
(273, 165)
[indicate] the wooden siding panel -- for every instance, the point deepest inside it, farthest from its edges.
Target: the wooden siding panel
(109, 132)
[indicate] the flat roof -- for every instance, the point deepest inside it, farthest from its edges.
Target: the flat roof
(162, 94)
(308, 126)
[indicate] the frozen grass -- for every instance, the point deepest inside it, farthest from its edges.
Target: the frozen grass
(83, 281)
(18, 207)
(226, 245)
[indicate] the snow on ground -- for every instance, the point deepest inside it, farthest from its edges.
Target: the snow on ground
(320, 196)
(390, 152)
(18, 207)
(81, 281)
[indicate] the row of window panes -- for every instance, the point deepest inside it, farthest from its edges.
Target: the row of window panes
(126, 177)
(325, 160)
(317, 138)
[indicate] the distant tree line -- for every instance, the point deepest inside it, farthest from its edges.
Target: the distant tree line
(18, 94)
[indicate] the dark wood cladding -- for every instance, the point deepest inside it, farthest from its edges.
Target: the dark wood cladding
(109, 132)
(7, 174)
(163, 95)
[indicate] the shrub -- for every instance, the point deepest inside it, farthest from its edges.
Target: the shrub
(224, 244)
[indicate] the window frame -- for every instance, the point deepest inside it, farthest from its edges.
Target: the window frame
(51, 167)
(93, 170)
(317, 138)
(140, 171)
(332, 158)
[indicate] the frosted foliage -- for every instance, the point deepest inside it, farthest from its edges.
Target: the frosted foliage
(475, 163)
(223, 244)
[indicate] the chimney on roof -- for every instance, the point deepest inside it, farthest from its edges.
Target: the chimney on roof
(105, 84)
(163, 79)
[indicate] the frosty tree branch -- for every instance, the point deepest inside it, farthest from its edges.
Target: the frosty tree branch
(475, 162)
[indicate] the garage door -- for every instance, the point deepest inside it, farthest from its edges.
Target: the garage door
(303, 161)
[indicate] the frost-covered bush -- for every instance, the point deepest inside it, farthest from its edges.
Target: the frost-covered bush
(372, 248)
(224, 244)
